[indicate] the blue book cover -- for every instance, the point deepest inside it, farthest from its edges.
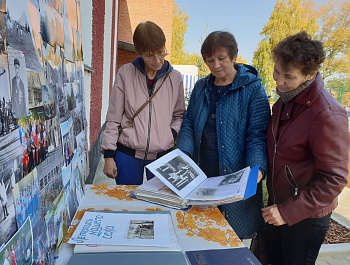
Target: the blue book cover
(230, 256)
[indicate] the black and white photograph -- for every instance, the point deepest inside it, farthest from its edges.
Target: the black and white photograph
(77, 124)
(232, 178)
(26, 194)
(80, 150)
(75, 182)
(10, 174)
(19, 250)
(35, 95)
(3, 41)
(53, 134)
(141, 229)
(48, 24)
(7, 120)
(67, 141)
(19, 83)
(49, 101)
(19, 31)
(68, 40)
(34, 139)
(59, 209)
(50, 179)
(70, 195)
(203, 194)
(178, 172)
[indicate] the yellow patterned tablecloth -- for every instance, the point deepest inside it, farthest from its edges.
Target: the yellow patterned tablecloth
(197, 228)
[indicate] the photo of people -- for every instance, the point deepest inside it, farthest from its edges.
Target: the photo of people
(178, 172)
(49, 99)
(35, 82)
(19, 250)
(67, 141)
(7, 120)
(27, 198)
(19, 30)
(53, 134)
(19, 83)
(34, 139)
(10, 173)
(50, 179)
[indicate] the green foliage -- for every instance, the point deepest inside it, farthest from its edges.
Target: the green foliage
(288, 17)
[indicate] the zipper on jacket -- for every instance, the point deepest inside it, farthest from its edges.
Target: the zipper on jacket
(274, 155)
(295, 186)
(149, 130)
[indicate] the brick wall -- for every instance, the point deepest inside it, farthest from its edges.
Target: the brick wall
(132, 12)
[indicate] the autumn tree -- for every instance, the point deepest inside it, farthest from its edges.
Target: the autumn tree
(178, 41)
(288, 17)
(178, 54)
(334, 21)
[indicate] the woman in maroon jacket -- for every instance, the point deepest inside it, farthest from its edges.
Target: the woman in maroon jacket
(308, 148)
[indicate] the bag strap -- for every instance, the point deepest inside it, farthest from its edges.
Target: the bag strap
(131, 121)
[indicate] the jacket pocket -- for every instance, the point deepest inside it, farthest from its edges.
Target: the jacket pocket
(290, 178)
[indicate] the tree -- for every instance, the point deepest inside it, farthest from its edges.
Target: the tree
(179, 30)
(334, 21)
(288, 17)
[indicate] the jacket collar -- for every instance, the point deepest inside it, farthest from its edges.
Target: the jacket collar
(309, 94)
(140, 65)
(246, 74)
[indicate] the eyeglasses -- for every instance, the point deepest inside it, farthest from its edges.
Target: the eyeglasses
(152, 57)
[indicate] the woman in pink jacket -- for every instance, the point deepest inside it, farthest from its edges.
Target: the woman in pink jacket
(139, 128)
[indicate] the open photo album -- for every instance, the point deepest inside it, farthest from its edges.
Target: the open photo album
(180, 183)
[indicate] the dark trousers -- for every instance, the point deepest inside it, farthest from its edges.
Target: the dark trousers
(297, 244)
(130, 169)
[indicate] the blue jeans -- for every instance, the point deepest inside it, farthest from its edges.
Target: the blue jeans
(298, 243)
(130, 169)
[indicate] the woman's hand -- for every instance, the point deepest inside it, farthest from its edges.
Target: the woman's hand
(260, 176)
(110, 169)
(272, 215)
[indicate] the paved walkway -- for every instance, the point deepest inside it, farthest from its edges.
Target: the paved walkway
(333, 254)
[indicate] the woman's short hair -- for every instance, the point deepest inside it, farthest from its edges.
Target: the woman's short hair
(219, 39)
(148, 37)
(299, 51)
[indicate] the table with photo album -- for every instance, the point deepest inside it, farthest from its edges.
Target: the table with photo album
(199, 228)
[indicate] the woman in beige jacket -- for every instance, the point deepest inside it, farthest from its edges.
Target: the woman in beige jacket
(129, 145)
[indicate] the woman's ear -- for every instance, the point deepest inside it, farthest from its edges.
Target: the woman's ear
(311, 75)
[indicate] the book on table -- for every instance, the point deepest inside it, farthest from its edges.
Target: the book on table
(180, 183)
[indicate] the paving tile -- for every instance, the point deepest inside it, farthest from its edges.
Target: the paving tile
(321, 262)
(339, 261)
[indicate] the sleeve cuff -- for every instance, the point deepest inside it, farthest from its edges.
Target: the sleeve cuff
(109, 154)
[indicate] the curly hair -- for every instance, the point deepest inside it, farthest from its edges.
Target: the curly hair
(299, 51)
(219, 39)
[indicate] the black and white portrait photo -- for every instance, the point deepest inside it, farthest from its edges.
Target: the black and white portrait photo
(7, 120)
(53, 134)
(141, 229)
(178, 172)
(49, 100)
(19, 83)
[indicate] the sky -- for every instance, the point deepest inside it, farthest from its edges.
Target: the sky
(245, 19)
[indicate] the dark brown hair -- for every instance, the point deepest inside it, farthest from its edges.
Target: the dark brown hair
(299, 51)
(219, 39)
(148, 37)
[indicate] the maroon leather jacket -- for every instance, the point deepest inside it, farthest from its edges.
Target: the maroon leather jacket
(308, 151)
